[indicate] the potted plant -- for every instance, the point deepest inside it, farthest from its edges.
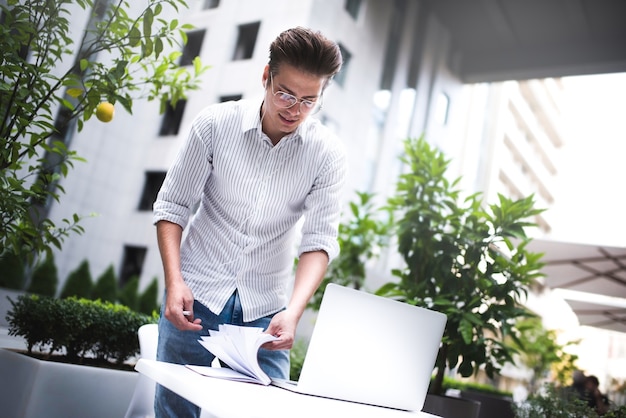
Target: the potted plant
(540, 351)
(466, 261)
(360, 238)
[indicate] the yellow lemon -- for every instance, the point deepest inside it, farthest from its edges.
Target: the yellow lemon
(105, 111)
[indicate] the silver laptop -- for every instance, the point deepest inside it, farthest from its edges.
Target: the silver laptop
(369, 349)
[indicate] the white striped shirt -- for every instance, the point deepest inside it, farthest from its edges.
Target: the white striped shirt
(251, 196)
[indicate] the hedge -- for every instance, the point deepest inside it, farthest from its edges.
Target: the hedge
(78, 328)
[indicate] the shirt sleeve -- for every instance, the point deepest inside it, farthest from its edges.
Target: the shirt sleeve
(185, 179)
(323, 207)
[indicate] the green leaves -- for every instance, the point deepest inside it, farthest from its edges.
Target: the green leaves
(560, 402)
(79, 327)
(361, 236)
(148, 19)
(123, 55)
(462, 259)
(134, 37)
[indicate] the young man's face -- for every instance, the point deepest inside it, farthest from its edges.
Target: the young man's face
(279, 120)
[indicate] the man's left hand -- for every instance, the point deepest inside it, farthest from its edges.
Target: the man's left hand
(283, 325)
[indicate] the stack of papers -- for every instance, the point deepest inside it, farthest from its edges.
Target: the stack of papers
(237, 347)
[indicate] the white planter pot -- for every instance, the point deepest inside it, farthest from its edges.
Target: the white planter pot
(33, 388)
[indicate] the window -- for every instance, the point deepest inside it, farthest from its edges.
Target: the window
(132, 264)
(211, 4)
(392, 48)
(100, 9)
(192, 47)
(172, 118)
(232, 97)
(353, 7)
(151, 187)
(246, 41)
(341, 77)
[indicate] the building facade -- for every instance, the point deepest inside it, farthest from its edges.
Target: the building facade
(396, 82)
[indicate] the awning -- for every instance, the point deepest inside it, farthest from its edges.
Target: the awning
(595, 275)
(598, 315)
(583, 267)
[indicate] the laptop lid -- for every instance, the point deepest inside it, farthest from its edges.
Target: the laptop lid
(370, 349)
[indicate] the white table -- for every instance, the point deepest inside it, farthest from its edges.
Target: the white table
(225, 398)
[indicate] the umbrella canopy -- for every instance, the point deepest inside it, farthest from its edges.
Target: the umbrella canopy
(589, 272)
(599, 315)
(583, 267)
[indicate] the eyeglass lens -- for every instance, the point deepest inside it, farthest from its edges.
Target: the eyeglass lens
(286, 100)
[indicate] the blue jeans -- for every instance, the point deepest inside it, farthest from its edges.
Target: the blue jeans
(182, 347)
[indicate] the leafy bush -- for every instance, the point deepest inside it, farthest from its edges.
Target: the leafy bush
(105, 288)
(45, 278)
(11, 271)
(553, 402)
(618, 412)
(540, 351)
(361, 238)
(129, 293)
(148, 299)
(449, 383)
(79, 327)
(463, 258)
(78, 282)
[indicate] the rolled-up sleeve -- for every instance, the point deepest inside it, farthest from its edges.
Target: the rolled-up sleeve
(185, 179)
(323, 207)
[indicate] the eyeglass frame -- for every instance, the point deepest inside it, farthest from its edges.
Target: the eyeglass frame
(297, 100)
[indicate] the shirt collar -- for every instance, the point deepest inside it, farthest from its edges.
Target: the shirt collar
(252, 120)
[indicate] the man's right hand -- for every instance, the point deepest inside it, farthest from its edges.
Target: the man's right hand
(179, 298)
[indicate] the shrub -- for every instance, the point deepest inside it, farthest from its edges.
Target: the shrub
(105, 288)
(78, 282)
(617, 412)
(553, 402)
(45, 279)
(80, 327)
(148, 299)
(449, 383)
(11, 271)
(129, 293)
(361, 237)
(116, 334)
(461, 257)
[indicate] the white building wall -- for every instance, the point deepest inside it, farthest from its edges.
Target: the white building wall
(121, 152)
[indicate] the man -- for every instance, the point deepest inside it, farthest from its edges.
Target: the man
(595, 399)
(256, 169)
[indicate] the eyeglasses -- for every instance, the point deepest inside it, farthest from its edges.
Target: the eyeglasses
(286, 100)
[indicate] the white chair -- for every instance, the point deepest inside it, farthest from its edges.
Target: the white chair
(142, 403)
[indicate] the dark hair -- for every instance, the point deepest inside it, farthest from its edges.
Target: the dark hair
(593, 379)
(306, 50)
